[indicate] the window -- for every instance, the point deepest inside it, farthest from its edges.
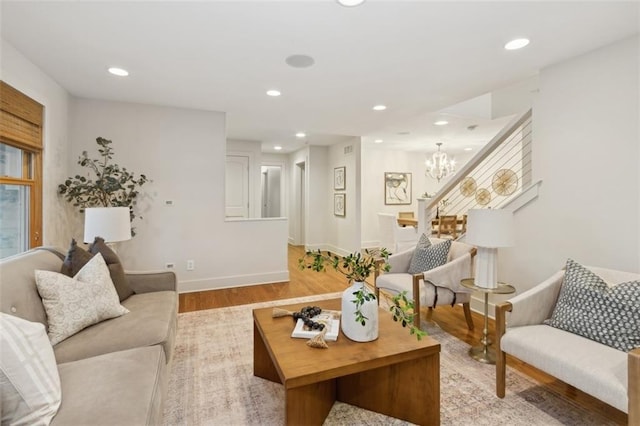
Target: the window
(20, 172)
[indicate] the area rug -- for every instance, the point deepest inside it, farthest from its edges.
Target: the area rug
(212, 382)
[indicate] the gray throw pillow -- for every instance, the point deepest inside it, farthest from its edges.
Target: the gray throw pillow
(587, 306)
(428, 257)
(76, 258)
(116, 270)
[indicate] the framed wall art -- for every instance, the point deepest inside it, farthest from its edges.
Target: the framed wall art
(397, 188)
(339, 204)
(339, 181)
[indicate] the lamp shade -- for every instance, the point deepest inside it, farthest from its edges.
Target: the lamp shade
(111, 223)
(490, 228)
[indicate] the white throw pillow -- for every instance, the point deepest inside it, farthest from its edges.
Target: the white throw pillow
(30, 392)
(73, 304)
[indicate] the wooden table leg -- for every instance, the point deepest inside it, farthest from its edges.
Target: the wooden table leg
(409, 390)
(262, 363)
(310, 404)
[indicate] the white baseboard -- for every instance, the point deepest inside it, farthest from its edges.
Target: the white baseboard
(477, 305)
(370, 244)
(327, 247)
(232, 281)
(338, 251)
(315, 247)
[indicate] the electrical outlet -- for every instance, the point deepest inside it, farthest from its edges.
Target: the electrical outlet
(191, 265)
(169, 265)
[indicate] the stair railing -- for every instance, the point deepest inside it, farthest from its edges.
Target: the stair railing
(499, 171)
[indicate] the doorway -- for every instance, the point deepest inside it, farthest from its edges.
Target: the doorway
(271, 199)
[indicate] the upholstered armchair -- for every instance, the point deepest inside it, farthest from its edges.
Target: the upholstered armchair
(437, 286)
(551, 328)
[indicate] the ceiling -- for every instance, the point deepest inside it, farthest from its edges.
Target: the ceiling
(419, 58)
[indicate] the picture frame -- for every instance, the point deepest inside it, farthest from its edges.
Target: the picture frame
(339, 178)
(397, 188)
(339, 205)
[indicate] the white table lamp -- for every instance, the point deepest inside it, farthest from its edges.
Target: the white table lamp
(111, 223)
(489, 229)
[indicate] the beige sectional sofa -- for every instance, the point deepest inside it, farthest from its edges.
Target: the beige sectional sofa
(114, 372)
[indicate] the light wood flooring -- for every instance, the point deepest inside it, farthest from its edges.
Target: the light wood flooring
(307, 283)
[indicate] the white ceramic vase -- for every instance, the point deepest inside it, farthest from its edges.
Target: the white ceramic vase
(355, 330)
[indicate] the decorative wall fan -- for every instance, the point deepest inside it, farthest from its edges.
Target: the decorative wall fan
(505, 182)
(483, 196)
(468, 186)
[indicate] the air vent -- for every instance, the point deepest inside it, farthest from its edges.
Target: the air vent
(348, 149)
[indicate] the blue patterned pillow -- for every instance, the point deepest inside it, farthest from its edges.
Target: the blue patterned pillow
(588, 307)
(427, 257)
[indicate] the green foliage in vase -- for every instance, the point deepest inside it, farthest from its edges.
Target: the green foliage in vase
(362, 295)
(358, 267)
(403, 312)
(111, 185)
(355, 266)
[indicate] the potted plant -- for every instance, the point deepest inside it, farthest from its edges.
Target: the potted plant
(111, 185)
(359, 304)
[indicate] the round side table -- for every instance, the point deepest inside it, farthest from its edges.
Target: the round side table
(484, 353)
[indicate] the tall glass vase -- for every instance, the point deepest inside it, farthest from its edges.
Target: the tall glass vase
(355, 330)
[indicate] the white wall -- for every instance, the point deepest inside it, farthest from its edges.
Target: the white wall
(317, 207)
(19, 72)
(586, 150)
(343, 232)
(295, 188)
(514, 99)
(183, 152)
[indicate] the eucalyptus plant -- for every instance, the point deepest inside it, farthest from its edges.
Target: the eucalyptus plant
(358, 267)
(110, 186)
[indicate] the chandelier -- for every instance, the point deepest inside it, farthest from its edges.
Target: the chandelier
(439, 167)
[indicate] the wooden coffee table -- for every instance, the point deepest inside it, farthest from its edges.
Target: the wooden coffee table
(395, 375)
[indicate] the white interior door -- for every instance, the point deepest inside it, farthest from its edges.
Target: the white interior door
(237, 186)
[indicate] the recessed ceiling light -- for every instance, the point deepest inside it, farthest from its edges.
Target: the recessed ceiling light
(350, 3)
(403, 133)
(273, 92)
(378, 141)
(277, 147)
(118, 71)
(518, 43)
(379, 107)
(300, 61)
(468, 149)
(301, 135)
(441, 123)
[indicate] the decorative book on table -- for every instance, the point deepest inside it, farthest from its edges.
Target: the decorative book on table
(330, 319)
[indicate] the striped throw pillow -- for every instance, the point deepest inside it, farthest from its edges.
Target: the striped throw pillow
(29, 382)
